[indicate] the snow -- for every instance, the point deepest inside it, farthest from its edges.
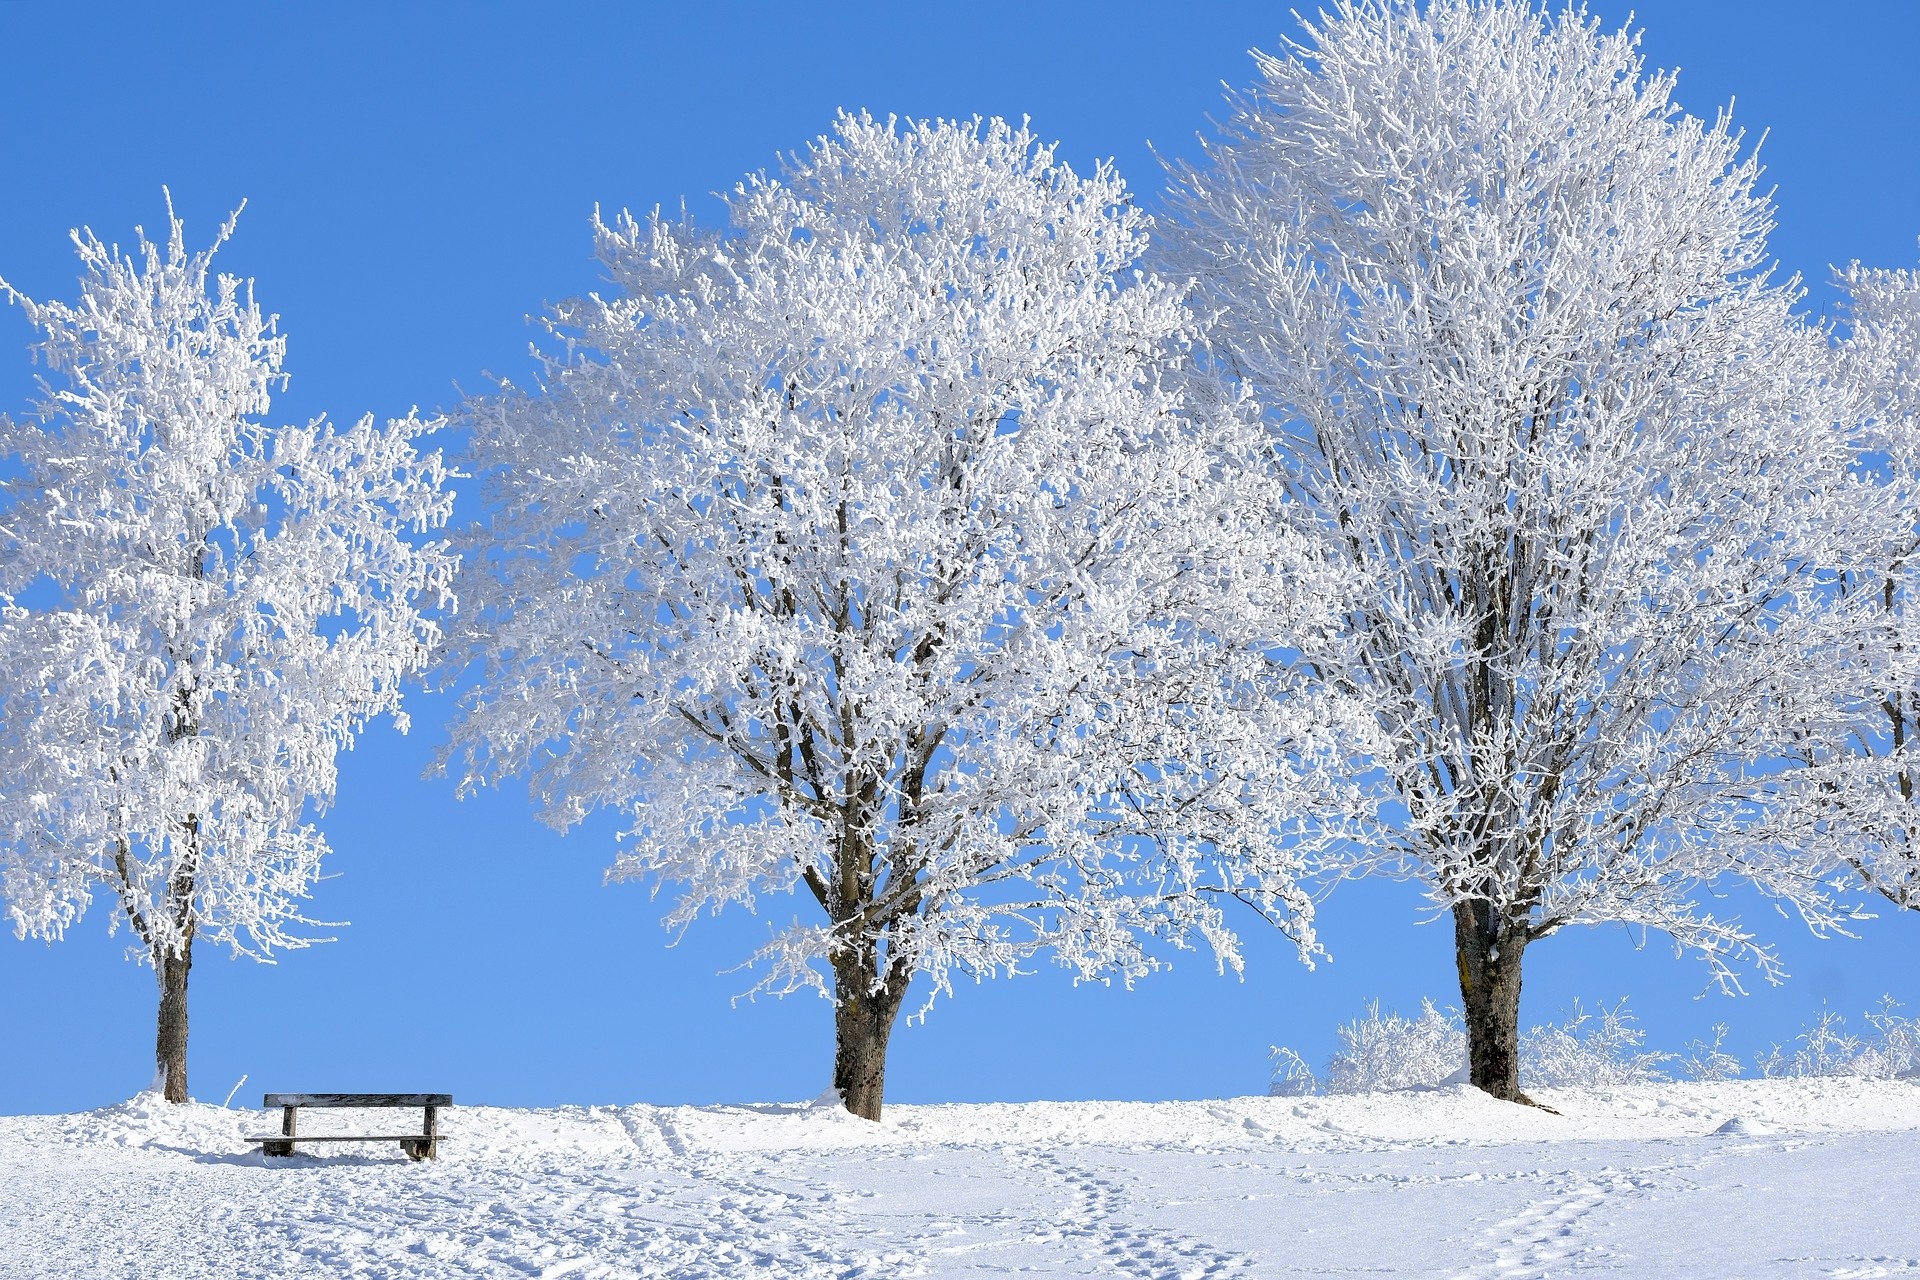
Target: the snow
(1751, 1178)
(1741, 1127)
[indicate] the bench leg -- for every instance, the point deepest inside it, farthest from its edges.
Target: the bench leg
(427, 1145)
(288, 1124)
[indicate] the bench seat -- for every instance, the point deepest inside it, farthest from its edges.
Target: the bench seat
(358, 1100)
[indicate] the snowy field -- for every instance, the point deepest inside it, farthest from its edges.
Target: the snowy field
(1744, 1179)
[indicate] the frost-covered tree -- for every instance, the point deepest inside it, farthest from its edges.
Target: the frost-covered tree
(858, 550)
(1525, 368)
(1882, 806)
(202, 611)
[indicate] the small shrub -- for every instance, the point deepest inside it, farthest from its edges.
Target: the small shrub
(1709, 1062)
(1589, 1051)
(1382, 1052)
(1292, 1077)
(1825, 1049)
(1890, 1049)
(1897, 1039)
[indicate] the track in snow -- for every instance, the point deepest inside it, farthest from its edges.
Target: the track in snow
(1394, 1186)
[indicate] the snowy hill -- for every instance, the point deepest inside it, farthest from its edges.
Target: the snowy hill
(1747, 1179)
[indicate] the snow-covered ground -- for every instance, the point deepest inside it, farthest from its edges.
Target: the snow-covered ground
(1744, 1179)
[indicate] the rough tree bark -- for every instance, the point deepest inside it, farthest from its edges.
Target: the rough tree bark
(170, 1037)
(866, 1005)
(170, 965)
(1489, 954)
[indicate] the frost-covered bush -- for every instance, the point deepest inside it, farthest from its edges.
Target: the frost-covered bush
(1385, 1051)
(1890, 1048)
(1292, 1077)
(1380, 1052)
(1708, 1061)
(1823, 1049)
(1896, 1039)
(1589, 1051)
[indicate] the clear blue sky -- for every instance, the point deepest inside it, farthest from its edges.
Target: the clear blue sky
(420, 179)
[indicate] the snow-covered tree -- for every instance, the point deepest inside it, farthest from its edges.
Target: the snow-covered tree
(1525, 368)
(858, 550)
(202, 611)
(1882, 807)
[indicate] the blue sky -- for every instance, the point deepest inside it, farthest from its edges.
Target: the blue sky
(419, 180)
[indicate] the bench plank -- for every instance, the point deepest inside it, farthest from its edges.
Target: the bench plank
(358, 1100)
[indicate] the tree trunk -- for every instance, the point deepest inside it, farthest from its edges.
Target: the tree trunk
(170, 1040)
(1489, 958)
(863, 1019)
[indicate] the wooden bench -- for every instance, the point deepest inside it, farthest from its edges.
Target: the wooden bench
(424, 1145)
